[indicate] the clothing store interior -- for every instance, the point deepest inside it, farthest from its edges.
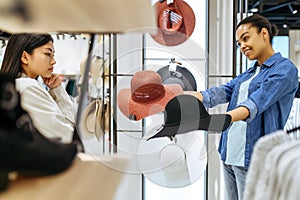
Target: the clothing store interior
(153, 85)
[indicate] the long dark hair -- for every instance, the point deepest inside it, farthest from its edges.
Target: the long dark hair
(260, 22)
(18, 43)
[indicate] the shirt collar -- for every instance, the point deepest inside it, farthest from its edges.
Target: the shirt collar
(268, 63)
(24, 76)
(275, 57)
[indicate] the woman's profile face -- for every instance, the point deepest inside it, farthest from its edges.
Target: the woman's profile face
(40, 62)
(251, 42)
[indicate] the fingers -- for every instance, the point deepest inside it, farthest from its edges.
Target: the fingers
(52, 81)
(49, 80)
(194, 93)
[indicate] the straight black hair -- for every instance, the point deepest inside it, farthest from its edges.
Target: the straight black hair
(18, 43)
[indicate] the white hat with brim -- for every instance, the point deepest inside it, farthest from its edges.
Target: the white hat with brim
(91, 120)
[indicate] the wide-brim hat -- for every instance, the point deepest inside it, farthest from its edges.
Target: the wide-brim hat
(173, 164)
(146, 96)
(96, 68)
(186, 113)
(176, 22)
(178, 74)
(91, 123)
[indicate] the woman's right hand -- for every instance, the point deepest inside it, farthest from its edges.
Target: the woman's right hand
(53, 81)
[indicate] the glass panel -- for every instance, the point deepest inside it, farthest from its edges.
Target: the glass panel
(129, 53)
(217, 81)
(281, 44)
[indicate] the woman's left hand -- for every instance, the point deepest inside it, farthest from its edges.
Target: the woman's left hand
(53, 81)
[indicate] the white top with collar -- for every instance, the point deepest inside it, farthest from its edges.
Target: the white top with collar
(53, 112)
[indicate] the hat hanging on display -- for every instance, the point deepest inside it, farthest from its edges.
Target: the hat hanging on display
(176, 73)
(173, 164)
(107, 114)
(94, 120)
(146, 96)
(96, 68)
(96, 76)
(176, 22)
(186, 113)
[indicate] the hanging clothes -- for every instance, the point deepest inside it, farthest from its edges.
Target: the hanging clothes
(255, 171)
(275, 159)
(294, 118)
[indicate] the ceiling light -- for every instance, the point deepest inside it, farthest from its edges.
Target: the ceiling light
(254, 10)
(292, 10)
(284, 26)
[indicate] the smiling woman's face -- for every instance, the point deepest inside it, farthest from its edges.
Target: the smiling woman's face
(252, 43)
(40, 62)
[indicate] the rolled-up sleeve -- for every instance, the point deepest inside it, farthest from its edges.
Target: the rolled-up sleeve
(251, 106)
(279, 83)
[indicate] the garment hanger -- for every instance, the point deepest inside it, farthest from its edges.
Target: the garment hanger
(293, 130)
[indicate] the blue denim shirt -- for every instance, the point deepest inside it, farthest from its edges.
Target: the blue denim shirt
(270, 98)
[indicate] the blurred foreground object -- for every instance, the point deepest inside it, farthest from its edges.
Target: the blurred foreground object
(90, 16)
(88, 178)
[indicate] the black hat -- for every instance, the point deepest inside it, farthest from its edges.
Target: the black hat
(186, 113)
(175, 73)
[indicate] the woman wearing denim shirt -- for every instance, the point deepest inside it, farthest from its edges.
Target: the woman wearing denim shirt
(260, 100)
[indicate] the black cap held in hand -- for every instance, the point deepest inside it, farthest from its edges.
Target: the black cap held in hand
(186, 113)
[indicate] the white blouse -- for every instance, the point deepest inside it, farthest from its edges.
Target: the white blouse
(53, 112)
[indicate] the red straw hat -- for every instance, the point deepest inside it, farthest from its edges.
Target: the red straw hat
(147, 95)
(176, 22)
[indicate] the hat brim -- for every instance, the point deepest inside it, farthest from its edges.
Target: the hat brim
(184, 32)
(141, 110)
(215, 123)
(187, 81)
(179, 167)
(90, 123)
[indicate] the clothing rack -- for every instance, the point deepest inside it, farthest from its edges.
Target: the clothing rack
(275, 160)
